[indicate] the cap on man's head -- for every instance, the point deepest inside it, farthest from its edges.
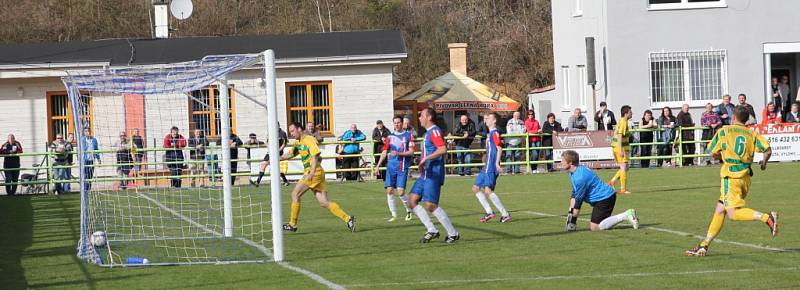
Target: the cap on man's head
(252, 135)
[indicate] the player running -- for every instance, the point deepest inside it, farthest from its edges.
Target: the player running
(399, 146)
(429, 184)
(487, 178)
(587, 187)
(735, 145)
(313, 179)
(622, 149)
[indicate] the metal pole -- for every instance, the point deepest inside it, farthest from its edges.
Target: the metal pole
(224, 107)
(274, 159)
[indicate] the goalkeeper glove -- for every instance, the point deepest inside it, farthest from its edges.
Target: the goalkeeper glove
(571, 222)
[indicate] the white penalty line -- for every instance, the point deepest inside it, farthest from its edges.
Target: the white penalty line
(679, 233)
(267, 252)
(567, 277)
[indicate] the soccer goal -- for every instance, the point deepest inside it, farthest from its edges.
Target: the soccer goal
(149, 194)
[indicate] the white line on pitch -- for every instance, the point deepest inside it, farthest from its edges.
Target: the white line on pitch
(567, 277)
(263, 249)
(685, 234)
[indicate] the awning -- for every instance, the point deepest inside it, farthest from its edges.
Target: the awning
(456, 92)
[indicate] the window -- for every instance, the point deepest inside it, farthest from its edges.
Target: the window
(60, 117)
(687, 77)
(582, 86)
(566, 84)
(202, 117)
(684, 4)
(311, 102)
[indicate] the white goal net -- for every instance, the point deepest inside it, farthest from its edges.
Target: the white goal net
(156, 162)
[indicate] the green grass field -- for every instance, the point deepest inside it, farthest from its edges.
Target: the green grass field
(38, 237)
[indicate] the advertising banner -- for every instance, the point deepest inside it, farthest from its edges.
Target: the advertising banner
(593, 147)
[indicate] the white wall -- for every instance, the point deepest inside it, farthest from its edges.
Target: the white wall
(362, 94)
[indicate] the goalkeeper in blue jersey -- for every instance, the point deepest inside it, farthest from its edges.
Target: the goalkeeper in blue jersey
(587, 187)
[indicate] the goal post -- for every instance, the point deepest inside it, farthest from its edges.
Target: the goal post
(136, 191)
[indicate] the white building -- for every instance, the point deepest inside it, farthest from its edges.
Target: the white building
(333, 79)
(655, 53)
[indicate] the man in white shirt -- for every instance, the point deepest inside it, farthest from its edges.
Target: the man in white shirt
(514, 126)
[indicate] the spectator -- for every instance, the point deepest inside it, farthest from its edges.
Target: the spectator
(61, 151)
(124, 159)
(648, 124)
(465, 130)
(70, 160)
(684, 121)
(604, 118)
(725, 110)
(252, 141)
(782, 104)
(514, 126)
(11, 163)
(90, 156)
(138, 157)
(378, 134)
(283, 139)
(549, 127)
(577, 122)
(743, 102)
(775, 87)
(771, 114)
(711, 122)
(532, 127)
(174, 144)
(235, 143)
(482, 132)
(793, 116)
(352, 136)
(408, 127)
(197, 156)
(666, 122)
(313, 131)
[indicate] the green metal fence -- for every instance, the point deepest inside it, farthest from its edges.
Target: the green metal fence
(367, 160)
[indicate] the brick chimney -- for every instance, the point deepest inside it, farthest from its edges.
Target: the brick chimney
(458, 57)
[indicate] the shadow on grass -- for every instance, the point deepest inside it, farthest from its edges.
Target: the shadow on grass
(16, 224)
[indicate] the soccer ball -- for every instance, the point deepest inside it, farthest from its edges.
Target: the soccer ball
(99, 238)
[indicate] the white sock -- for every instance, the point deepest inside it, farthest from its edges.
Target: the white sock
(445, 221)
(404, 198)
(613, 220)
(498, 204)
(484, 203)
(390, 202)
(423, 216)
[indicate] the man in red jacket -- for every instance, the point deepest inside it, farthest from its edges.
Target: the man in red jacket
(174, 143)
(532, 127)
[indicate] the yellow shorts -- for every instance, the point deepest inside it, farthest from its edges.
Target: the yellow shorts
(733, 191)
(624, 158)
(317, 183)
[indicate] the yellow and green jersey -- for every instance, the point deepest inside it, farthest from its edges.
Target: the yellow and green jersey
(307, 148)
(622, 135)
(737, 144)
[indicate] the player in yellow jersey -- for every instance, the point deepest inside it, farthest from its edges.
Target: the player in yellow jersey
(735, 145)
(313, 179)
(622, 149)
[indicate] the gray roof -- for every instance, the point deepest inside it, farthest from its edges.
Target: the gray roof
(155, 51)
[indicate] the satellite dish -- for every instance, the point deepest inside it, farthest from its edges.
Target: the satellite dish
(181, 9)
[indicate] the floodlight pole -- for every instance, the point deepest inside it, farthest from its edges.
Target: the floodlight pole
(274, 156)
(224, 107)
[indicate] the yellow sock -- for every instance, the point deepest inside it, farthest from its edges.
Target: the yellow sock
(714, 228)
(623, 179)
(337, 211)
(616, 176)
(294, 214)
(746, 214)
